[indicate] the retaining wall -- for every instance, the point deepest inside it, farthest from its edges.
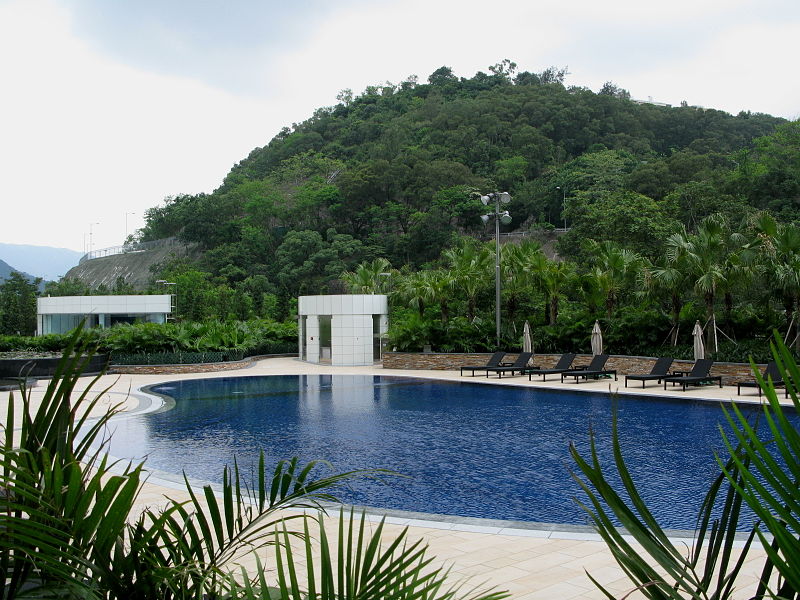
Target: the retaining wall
(190, 368)
(45, 367)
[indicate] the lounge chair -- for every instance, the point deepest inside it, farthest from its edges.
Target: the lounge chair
(659, 371)
(519, 365)
(698, 374)
(771, 372)
(564, 363)
(594, 369)
(494, 361)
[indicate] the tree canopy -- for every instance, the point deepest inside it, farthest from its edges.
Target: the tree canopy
(393, 173)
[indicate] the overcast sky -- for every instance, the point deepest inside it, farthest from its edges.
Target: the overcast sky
(107, 107)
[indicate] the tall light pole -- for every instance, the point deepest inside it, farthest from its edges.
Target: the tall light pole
(90, 235)
(125, 239)
(499, 217)
(563, 205)
(173, 297)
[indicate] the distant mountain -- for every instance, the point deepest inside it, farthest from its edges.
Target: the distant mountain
(6, 269)
(41, 261)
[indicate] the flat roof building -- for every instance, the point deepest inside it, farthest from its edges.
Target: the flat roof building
(343, 330)
(61, 314)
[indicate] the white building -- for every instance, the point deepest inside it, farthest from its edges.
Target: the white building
(342, 330)
(61, 314)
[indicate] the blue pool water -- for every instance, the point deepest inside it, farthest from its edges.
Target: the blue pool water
(467, 449)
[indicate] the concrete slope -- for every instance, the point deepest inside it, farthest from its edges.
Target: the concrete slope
(135, 268)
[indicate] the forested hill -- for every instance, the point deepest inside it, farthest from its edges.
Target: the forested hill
(392, 172)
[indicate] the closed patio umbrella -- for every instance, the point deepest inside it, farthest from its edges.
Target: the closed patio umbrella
(699, 347)
(527, 340)
(597, 339)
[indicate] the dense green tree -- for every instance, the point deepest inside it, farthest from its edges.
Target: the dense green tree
(306, 262)
(630, 220)
(66, 286)
(394, 167)
(769, 173)
(18, 304)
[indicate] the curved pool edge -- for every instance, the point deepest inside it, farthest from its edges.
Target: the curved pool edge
(148, 401)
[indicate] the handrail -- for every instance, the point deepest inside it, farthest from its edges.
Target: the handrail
(513, 234)
(128, 248)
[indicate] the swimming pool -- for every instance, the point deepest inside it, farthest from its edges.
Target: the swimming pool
(468, 449)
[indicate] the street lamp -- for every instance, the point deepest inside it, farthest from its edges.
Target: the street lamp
(173, 297)
(563, 205)
(90, 235)
(125, 239)
(499, 217)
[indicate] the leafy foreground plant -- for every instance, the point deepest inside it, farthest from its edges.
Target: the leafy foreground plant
(68, 527)
(751, 474)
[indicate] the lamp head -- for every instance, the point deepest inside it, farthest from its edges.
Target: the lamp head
(505, 218)
(485, 218)
(485, 200)
(505, 197)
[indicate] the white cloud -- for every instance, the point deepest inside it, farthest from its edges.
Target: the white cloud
(85, 139)
(743, 68)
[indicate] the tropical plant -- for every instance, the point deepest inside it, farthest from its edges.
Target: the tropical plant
(780, 255)
(415, 289)
(470, 264)
(762, 474)
(614, 270)
(369, 277)
(554, 279)
(365, 569)
(718, 261)
(518, 280)
(69, 528)
(667, 278)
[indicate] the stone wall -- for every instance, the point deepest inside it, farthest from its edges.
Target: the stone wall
(193, 368)
(627, 365)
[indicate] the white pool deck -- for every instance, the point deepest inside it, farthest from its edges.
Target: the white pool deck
(529, 563)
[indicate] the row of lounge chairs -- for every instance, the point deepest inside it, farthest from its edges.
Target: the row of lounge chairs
(563, 367)
(699, 374)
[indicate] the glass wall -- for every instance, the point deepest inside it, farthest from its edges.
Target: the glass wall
(324, 338)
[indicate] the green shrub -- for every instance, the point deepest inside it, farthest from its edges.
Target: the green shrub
(176, 358)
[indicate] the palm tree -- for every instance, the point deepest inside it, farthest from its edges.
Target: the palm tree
(369, 277)
(615, 270)
(668, 279)
(414, 288)
(471, 266)
(717, 261)
(780, 260)
(516, 271)
(440, 284)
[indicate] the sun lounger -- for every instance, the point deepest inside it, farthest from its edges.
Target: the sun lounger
(698, 374)
(771, 372)
(595, 369)
(564, 363)
(494, 361)
(659, 371)
(518, 366)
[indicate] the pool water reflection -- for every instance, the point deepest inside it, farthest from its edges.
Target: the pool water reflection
(468, 449)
